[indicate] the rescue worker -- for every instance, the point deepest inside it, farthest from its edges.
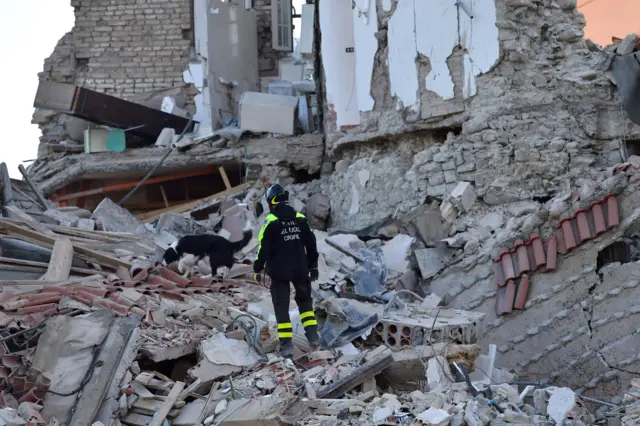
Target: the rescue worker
(287, 248)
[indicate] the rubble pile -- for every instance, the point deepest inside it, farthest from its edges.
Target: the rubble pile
(104, 334)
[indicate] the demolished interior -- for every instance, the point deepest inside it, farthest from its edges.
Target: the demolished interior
(471, 180)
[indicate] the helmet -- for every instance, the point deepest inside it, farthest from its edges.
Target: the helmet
(276, 194)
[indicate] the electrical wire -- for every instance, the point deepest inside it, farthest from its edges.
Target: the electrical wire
(169, 151)
(586, 3)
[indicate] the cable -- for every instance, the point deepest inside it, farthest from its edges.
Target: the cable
(586, 3)
(144, 179)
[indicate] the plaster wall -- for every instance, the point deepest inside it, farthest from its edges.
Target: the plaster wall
(337, 27)
(418, 43)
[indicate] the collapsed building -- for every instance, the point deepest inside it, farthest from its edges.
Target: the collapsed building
(491, 133)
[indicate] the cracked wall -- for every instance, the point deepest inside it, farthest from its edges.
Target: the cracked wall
(541, 118)
(541, 135)
(405, 34)
(580, 327)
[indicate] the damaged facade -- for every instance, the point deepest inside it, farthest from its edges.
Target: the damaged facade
(483, 148)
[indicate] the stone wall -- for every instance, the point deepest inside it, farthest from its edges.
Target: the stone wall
(267, 55)
(538, 139)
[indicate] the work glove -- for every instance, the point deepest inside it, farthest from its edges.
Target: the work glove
(258, 277)
(313, 274)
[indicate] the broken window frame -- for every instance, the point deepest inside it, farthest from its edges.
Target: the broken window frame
(282, 25)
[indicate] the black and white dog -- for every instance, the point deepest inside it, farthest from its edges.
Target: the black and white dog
(220, 250)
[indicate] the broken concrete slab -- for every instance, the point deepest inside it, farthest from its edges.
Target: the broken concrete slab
(565, 404)
(318, 211)
(448, 212)
(465, 194)
(438, 372)
(435, 417)
(57, 217)
(86, 224)
(428, 220)
(179, 225)
(64, 354)
(627, 45)
(431, 301)
(432, 260)
(190, 413)
(263, 411)
(397, 251)
(207, 371)
(234, 225)
(111, 217)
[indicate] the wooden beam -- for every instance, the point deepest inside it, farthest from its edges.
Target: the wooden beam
(60, 262)
(15, 212)
(27, 196)
(34, 188)
(7, 189)
(43, 265)
(12, 283)
(161, 414)
(225, 178)
(151, 216)
(164, 197)
(85, 253)
(128, 185)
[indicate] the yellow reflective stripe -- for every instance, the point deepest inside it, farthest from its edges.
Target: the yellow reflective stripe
(307, 314)
(270, 218)
(307, 323)
(285, 334)
(301, 216)
(285, 325)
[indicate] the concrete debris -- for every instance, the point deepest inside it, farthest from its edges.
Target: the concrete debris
(318, 211)
(474, 199)
(238, 379)
(465, 195)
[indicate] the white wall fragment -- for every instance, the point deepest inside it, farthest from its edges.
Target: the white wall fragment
(336, 25)
(436, 37)
(402, 52)
(365, 27)
(479, 36)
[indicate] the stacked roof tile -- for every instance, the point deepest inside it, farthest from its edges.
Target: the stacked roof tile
(159, 283)
(513, 266)
(23, 313)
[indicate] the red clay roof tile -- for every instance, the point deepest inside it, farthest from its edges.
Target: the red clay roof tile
(530, 256)
(176, 278)
(521, 294)
(613, 216)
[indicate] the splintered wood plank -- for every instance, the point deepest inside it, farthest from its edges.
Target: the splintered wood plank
(21, 216)
(225, 178)
(84, 253)
(180, 208)
(43, 265)
(60, 262)
(164, 409)
(164, 196)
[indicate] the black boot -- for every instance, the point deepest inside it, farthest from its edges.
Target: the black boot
(286, 349)
(312, 336)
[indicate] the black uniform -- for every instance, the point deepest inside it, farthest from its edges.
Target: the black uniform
(287, 247)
